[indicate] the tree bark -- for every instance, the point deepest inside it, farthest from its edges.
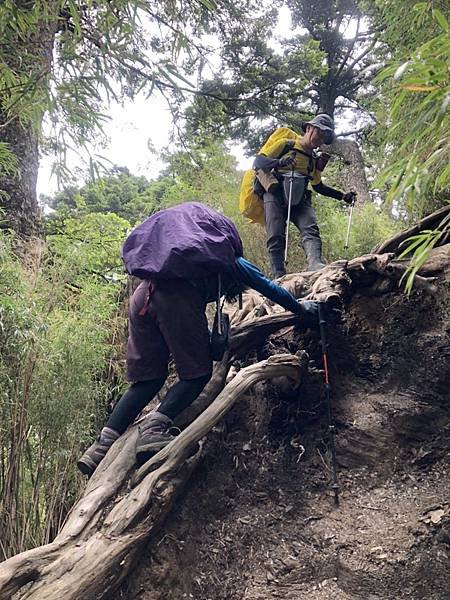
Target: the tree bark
(353, 174)
(432, 221)
(19, 198)
(30, 58)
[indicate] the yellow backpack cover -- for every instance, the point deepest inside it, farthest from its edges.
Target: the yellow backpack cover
(250, 203)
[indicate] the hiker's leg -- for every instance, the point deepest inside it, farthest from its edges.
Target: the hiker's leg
(137, 396)
(180, 314)
(181, 395)
(97, 451)
(275, 218)
(147, 351)
(147, 358)
(304, 218)
(156, 430)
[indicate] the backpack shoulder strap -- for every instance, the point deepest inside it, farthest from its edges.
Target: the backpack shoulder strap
(288, 147)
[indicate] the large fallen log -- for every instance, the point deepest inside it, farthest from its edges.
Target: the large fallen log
(121, 508)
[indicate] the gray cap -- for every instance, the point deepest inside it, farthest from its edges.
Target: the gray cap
(325, 123)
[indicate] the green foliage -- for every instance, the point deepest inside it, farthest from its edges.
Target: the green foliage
(128, 196)
(258, 87)
(418, 248)
(59, 323)
(416, 145)
(67, 59)
(89, 245)
(417, 166)
(8, 161)
(370, 226)
(206, 173)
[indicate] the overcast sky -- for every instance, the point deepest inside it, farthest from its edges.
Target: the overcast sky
(135, 125)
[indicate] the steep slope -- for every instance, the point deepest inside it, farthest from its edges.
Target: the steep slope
(258, 519)
(251, 515)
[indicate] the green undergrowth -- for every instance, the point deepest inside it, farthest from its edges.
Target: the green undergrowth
(60, 331)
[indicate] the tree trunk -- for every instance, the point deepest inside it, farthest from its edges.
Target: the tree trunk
(327, 100)
(122, 508)
(353, 175)
(18, 198)
(30, 58)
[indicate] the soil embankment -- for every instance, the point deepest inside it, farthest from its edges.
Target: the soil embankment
(258, 519)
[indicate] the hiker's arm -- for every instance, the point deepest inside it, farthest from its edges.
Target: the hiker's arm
(326, 190)
(265, 163)
(252, 277)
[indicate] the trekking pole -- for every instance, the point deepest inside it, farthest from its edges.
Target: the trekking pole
(350, 218)
(291, 185)
(218, 308)
(331, 427)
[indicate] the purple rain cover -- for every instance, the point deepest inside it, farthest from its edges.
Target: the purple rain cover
(187, 241)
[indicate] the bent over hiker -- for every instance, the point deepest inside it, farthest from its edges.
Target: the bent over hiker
(190, 255)
(293, 164)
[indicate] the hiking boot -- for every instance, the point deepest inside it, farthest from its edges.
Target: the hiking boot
(313, 250)
(155, 432)
(96, 453)
(277, 265)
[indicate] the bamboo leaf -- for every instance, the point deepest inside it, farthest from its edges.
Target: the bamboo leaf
(411, 87)
(439, 17)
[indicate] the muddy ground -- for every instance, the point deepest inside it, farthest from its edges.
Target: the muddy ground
(258, 520)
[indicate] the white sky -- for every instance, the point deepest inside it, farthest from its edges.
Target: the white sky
(142, 122)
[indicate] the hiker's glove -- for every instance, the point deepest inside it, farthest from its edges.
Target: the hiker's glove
(286, 161)
(349, 197)
(309, 313)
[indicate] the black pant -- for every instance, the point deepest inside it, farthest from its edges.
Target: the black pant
(139, 394)
(303, 216)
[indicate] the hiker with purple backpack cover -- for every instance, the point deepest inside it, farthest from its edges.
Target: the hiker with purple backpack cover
(187, 256)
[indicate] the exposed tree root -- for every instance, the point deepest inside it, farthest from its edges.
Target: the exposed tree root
(104, 532)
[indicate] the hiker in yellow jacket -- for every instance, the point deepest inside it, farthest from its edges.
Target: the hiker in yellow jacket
(287, 177)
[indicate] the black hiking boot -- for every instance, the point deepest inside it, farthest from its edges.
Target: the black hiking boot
(155, 432)
(277, 265)
(96, 453)
(313, 250)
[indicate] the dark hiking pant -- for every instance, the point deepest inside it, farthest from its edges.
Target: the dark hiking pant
(304, 218)
(174, 326)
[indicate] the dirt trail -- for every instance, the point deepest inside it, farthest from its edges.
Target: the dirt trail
(258, 520)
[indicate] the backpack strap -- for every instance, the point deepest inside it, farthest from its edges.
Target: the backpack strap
(311, 162)
(289, 147)
(218, 306)
(151, 289)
